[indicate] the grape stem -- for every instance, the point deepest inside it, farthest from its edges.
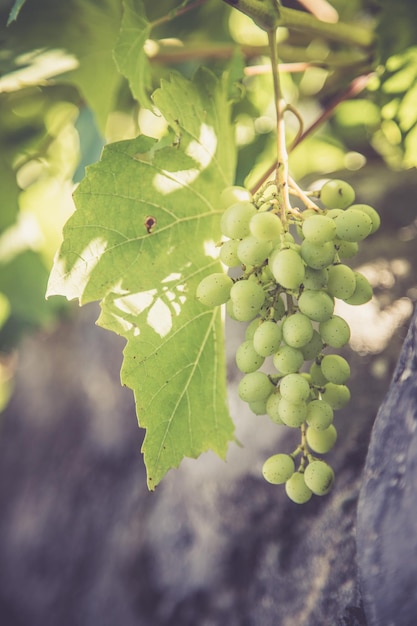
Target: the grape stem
(281, 173)
(355, 87)
(297, 191)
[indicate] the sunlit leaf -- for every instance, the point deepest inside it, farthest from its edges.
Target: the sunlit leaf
(141, 239)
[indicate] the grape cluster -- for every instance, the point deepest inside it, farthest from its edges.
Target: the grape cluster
(291, 270)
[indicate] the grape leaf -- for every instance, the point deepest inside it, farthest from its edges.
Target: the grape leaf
(129, 52)
(141, 239)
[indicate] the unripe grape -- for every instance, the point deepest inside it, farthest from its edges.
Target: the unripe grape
(247, 297)
(363, 290)
(313, 348)
(319, 477)
(319, 415)
(370, 211)
(267, 338)
(337, 194)
(292, 414)
(253, 251)
(234, 194)
(315, 279)
(265, 226)
(335, 332)
(278, 468)
(235, 220)
(317, 305)
(321, 441)
(346, 249)
(247, 358)
(297, 330)
(317, 376)
(294, 388)
(353, 225)
(250, 329)
(288, 268)
(341, 281)
(335, 368)
(297, 490)
(317, 256)
(288, 360)
(272, 407)
(334, 213)
(337, 396)
(254, 387)
(228, 253)
(319, 228)
(258, 407)
(214, 289)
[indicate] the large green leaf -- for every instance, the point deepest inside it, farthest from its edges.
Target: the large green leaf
(146, 277)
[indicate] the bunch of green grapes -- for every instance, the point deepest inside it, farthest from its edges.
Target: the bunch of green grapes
(292, 269)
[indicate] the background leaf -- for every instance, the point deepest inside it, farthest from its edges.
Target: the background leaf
(129, 52)
(174, 357)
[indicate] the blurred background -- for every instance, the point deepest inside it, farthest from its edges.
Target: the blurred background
(82, 541)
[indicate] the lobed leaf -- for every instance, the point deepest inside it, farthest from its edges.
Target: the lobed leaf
(141, 239)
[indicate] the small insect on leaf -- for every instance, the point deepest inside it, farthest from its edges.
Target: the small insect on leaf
(150, 223)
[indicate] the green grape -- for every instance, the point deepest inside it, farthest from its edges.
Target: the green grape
(321, 441)
(297, 490)
(341, 282)
(278, 468)
(247, 358)
(370, 211)
(288, 360)
(346, 249)
(294, 387)
(315, 279)
(251, 327)
(235, 220)
(229, 310)
(337, 396)
(255, 386)
(267, 338)
(297, 330)
(253, 251)
(247, 297)
(292, 414)
(334, 213)
(234, 194)
(214, 289)
(279, 308)
(317, 256)
(313, 348)
(272, 407)
(362, 292)
(353, 225)
(319, 477)
(317, 305)
(319, 228)
(319, 415)
(228, 253)
(258, 407)
(337, 194)
(335, 368)
(335, 332)
(287, 268)
(265, 226)
(317, 376)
